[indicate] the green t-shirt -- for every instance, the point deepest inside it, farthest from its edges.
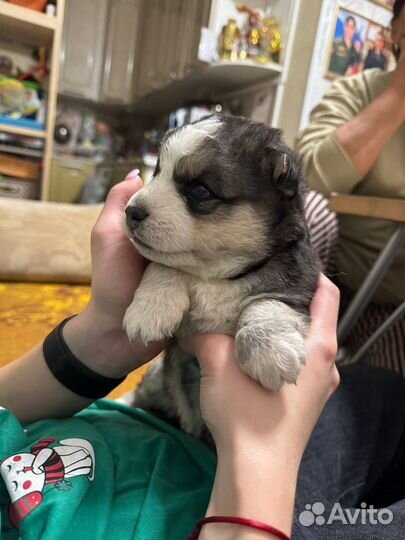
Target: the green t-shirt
(108, 472)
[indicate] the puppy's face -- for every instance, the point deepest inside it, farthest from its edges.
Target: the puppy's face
(219, 190)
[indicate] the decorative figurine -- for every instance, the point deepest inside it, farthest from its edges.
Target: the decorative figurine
(261, 38)
(252, 30)
(229, 41)
(270, 39)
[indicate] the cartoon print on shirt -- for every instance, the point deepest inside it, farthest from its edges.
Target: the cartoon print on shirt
(26, 475)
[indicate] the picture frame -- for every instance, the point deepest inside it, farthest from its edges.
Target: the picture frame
(388, 4)
(357, 43)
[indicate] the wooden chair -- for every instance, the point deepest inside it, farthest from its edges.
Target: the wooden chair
(378, 208)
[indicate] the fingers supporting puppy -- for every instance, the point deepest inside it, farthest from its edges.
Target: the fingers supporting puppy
(321, 341)
(214, 352)
(120, 194)
(324, 313)
(113, 211)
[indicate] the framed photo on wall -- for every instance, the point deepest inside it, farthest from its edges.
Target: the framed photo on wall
(384, 3)
(356, 44)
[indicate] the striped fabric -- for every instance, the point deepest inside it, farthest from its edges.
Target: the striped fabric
(23, 507)
(323, 227)
(53, 466)
(389, 350)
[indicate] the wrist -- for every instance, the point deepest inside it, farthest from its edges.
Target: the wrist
(259, 470)
(98, 343)
(236, 528)
(259, 486)
(281, 448)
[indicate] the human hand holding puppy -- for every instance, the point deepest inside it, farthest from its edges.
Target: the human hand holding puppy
(261, 436)
(232, 404)
(258, 454)
(96, 335)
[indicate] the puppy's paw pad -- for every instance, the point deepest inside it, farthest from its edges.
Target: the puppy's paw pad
(272, 361)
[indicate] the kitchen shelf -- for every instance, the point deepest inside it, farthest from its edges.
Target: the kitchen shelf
(20, 151)
(244, 72)
(25, 132)
(25, 25)
(206, 80)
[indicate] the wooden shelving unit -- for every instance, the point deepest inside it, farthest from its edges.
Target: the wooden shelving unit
(26, 25)
(240, 73)
(24, 132)
(218, 77)
(29, 27)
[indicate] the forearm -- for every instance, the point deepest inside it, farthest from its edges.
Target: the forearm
(365, 136)
(96, 336)
(258, 487)
(30, 390)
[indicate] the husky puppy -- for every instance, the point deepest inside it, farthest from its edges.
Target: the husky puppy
(223, 223)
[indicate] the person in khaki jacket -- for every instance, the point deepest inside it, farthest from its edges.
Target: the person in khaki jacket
(355, 143)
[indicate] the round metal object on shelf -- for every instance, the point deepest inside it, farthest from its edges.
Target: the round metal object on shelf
(62, 134)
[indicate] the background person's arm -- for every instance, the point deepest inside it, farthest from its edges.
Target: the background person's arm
(344, 138)
(95, 336)
(261, 435)
(364, 137)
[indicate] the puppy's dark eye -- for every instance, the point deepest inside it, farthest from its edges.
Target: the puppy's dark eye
(200, 193)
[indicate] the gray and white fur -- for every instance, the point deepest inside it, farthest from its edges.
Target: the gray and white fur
(223, 223)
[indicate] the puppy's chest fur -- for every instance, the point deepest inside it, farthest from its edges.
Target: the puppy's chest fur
(215, 306)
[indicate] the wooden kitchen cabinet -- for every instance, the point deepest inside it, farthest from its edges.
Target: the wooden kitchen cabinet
(188, 19)
(121, 52)
(198, 16)
(115, 51)
(171, 35)
(82, 50)
(99, 50)
(152, 28)
(129, 52)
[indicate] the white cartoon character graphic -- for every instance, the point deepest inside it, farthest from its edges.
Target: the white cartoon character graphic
(26, 475)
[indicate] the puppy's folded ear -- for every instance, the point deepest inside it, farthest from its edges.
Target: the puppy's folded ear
(284, 172)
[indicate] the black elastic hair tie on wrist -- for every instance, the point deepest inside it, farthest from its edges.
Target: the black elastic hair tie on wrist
(70, 372)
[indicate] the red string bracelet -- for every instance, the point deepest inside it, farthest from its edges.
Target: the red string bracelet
(237, 521)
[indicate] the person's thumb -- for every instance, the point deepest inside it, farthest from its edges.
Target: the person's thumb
(214, 352)
(111, 215)
(122, 192)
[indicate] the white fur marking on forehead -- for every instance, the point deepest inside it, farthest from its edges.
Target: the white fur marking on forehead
(185, 141)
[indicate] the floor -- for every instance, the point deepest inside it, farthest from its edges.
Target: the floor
(29, 311)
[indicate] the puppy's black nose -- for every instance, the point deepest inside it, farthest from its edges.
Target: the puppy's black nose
(135, 214)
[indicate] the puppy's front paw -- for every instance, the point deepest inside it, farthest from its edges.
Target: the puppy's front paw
(144, 322)
(158, 305)
(147, 321)
(268, 358)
